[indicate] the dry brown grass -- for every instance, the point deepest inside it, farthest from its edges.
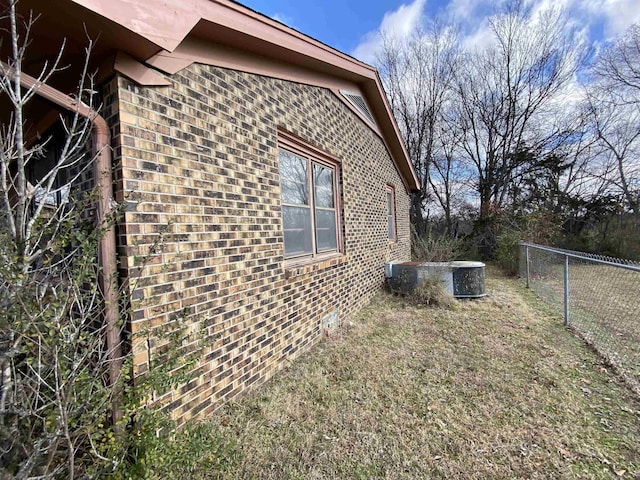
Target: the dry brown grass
(604, 309)
(431, 293)
(496, 388)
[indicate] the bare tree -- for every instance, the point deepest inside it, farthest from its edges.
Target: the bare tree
(417, 74)
(582, 176)
(450, 178)
(618, 66)
(617, 130)
(61, 371)
(613, 102)
(505, 93)
(55, 389)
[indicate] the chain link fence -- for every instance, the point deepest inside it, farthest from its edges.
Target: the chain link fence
(598, 296)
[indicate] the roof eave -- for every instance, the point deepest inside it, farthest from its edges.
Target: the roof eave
(232, 24)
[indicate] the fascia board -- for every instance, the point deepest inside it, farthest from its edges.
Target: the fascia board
(167, 23)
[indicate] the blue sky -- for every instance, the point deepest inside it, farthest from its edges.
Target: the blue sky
(351, 25)
(339, 23)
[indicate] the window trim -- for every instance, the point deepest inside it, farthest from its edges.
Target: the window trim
(390, 190)
(291, 143)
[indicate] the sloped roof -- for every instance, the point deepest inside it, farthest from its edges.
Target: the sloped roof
(162, 34)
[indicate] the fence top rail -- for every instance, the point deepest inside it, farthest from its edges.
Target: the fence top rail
(566, 253)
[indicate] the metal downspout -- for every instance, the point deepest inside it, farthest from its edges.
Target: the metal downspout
(102, 167)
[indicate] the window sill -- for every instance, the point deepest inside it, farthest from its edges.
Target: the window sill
(296, 266)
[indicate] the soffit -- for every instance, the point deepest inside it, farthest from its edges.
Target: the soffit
(144, 28)
(168, 22)
(64, 22)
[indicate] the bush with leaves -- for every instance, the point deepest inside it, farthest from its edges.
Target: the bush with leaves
(57, 390)
(496, 237)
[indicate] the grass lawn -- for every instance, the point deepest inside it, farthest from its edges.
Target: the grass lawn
(604, 307)
(494, 388)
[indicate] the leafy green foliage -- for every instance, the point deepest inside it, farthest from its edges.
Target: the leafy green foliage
(55, 414)
(59, 388)
(602, 225)
(195, 451)
(54, 360)
(496, 238)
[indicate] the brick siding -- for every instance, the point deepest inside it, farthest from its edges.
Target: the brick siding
(200, 161)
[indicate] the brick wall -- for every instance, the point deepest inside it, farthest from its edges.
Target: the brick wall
(200, 159)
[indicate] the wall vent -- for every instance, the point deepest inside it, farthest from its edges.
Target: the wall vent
(358, 102)
(330, 321)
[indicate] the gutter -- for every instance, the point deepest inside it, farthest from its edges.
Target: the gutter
(107, 259)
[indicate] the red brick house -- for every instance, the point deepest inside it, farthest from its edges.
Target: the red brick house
(269, 163)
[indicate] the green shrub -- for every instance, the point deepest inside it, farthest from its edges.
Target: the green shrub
(616, 235)
(58, 385)
(496, 237)
(195, 451)
(506, 254)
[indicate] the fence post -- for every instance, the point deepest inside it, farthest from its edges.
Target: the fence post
(526, 259)
(566, 290)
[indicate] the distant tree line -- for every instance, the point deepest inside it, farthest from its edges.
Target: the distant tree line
(527, 133)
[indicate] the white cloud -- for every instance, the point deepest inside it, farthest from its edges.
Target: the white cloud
(620, 15)
(464, 11)
(279, 17)
(609, 18)
(399, 23)
(482, 37)
(603, 20)
(615, 16)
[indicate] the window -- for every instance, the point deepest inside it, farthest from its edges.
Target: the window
(309, 203)
(391, 212)
(39, 171)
